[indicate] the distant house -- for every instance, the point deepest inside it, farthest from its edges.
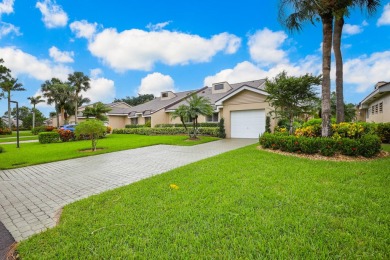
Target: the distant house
(242, 105)
(13, 121)
(376, 106)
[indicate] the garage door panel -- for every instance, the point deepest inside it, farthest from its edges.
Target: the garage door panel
(247, 123)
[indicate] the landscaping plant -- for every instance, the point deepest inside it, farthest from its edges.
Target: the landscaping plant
(93, 128)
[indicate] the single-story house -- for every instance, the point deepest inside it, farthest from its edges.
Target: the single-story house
(242, 105)
(376, 106)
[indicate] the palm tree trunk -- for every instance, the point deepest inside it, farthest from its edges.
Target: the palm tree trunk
(327, 32)
(9, 110)
(57, 115)
(75, 109)
(339, 23)
(33, 122)
(63, 115)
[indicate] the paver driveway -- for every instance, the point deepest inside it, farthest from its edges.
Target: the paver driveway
(31, 196)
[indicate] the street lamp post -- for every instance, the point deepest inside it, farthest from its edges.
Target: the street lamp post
(17, 122)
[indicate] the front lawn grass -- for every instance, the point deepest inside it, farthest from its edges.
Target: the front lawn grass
(36, 153)
(21, 138)
(244, 204)
(21, 133)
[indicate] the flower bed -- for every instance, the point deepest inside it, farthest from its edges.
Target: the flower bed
(211, 131)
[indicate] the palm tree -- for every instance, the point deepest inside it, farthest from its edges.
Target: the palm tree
(80, 82)
(8, 85)
(34, 101)
(97, 111)
(58, 93)
(182, 113)
(198, 105)
(342, 9)
(69, 106)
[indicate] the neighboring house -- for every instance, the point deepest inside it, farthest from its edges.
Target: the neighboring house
(242, 105)
(376, 106)
(13, 121)
(116, 117)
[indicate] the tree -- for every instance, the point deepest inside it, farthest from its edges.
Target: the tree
(291, 96)
(198, 105)
(79, 82)
(92, 128)
(134, 101)
(182, 113)
(34, 101)
(39, 119)
(8, 85)
(97, 111)
(58, 93)
(69, 106)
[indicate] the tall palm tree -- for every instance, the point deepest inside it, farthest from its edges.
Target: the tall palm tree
(198, 105)
(8, 85)
(80, 82)
(34, 101)
(59, 93)
(69, 107)
(97, 111)
(341, 10)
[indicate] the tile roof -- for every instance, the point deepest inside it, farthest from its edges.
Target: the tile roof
(207, 93)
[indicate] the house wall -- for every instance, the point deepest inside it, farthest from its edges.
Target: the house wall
(379, 117)
(245, 100)
(118, 121)
(160, 117)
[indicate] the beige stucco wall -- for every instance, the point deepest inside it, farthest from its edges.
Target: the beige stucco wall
(160, 117)
(245, 100)
(383, 117)
(201, 119)
(118, 121)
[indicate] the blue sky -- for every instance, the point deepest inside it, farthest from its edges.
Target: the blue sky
(130, 47)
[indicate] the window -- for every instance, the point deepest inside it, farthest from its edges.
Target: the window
(381, 107)
(218, 87)
(372, 109)
(147, 119)
(376, 109)
(212, 118)
(164, 94)
(134, 121)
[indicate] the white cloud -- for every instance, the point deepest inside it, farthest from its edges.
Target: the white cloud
(95, 72)
(61, 56)
(264, 47)
(385, 17)
(365, 71)
(158, 26)
(139, 50)
(83, 29)
(7, 28)
(350, 29)
(102, 90)
(156, 83)
(52, 14)
(24, 63)
(246, 71)
(6, 7)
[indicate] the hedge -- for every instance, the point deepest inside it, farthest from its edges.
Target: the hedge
(48, 137)
(367, 146)
(206, 124)
(211, 131)
(40, 129)
(5, 131)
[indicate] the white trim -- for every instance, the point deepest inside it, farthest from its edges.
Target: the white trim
(259, 91)
(108, 114)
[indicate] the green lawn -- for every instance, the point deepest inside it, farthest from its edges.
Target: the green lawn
(244, 204)
(36, 153)
(21, 138)
(21, 133)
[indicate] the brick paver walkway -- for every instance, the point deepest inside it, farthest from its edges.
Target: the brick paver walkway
(31, 196)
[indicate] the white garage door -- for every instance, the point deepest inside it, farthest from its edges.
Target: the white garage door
(247, 123)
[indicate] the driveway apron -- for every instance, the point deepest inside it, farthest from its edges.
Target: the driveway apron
(30, 197)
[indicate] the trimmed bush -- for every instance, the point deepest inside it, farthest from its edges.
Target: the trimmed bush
(309, 145)
(369, 146)
(268, 124)
(221, 128)
(5, 131)
(206, 124)
(48, 137)
(348, 146)
(66, 135)
(383, 131)
(134, 126)
(211, 131)
(44, 128)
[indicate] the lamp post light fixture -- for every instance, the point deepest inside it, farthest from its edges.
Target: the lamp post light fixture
(17, 122)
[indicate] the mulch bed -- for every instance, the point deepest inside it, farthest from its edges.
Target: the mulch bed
(336, 157)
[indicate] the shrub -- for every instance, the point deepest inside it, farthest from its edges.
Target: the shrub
(348, 146)
(148, 124)
(1, 149)
(211, 131)
(369, 145)
(5, 131)
(48, 137)
(205, 124)
(221, 128)
(313, 122)
(108, 129)
(383, 131)
(268, 124)
(93, 128)
(66, 135)
(309, 145)
(327, 146)
(134, 126)
(40, 129)
(49, 128)
(309, 131)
